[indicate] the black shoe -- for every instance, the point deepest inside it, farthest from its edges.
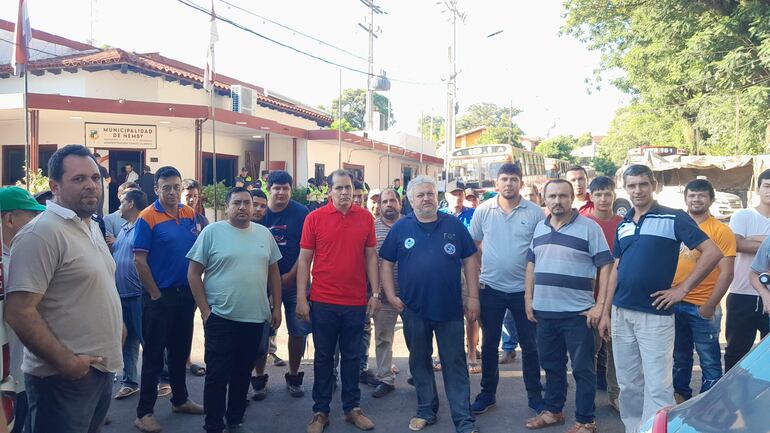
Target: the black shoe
(410, 381)
(368, 379)
(382, 390)
(259, 383)
(294, 384)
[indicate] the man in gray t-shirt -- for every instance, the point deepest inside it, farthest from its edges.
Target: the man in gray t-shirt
(63, 304)
(502, 228)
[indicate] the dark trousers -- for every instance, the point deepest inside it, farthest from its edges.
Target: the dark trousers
(68, 406)
(556, 338)
(744, 319)
(454, 368)
(493, 306)
(21, 416)
(167, 324)
(231, 349)
(366, 341)
(332, 325)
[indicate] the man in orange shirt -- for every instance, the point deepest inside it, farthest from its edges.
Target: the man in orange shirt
(698, 316)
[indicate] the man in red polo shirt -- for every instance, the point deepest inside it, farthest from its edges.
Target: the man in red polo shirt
(339, 241)
(578, 177)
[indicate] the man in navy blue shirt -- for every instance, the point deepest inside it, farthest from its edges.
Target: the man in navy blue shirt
(640, 296)
(431, 249)
(285, 218)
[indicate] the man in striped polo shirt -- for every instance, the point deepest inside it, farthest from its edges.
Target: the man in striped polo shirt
(566, 252)
(646, 254)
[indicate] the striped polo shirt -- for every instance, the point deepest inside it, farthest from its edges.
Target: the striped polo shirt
(649, 252)
(566, 260)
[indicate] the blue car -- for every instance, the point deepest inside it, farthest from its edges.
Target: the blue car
(739, 402)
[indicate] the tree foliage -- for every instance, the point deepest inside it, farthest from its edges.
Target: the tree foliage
(432, 128)
(500, 127)
(642, 125)
(704, 62)
(558, 147)
(354, 108)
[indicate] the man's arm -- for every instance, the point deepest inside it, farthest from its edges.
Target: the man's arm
(594, 315)
(763, 291)
(389, 285)
(274, 284)
(303, 276)
(22, 314)
(710, 255)
(748, 245)
(612, 283)
(195, 278)
(726, 271)
(529, 291)
(145, 274)
(472, 269)
(289, 279)
(373, 274)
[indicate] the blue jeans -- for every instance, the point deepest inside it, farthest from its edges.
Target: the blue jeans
(132, 319)
(693, 330)
(556, 338)
(494, 304)
(366, 341)
(332, 325)
(510, 337)
(449, 338)
(69, 406)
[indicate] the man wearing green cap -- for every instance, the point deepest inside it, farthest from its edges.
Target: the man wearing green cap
(17, 208)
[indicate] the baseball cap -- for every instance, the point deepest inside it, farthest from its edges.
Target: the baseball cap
(15, 198)
(455, 185)
(469, 192)
(374, 192)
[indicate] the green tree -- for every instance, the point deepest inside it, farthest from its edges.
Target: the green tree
(354, 107)
(643, 125)
(558, 147)
(604, 166)
(698, 60)
(346, 127)
(500, 127)
(432, 128)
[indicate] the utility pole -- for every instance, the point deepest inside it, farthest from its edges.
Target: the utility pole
(449, 136)
(369, 113)
(738, 124)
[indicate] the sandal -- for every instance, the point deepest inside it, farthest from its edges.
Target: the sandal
(545, 419)
(164, 389)
(197, 370)
(474, 368)
(125, 391)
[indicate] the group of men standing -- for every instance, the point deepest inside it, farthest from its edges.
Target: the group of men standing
(572, 280)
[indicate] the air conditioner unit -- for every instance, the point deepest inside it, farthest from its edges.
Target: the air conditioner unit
(243, 99)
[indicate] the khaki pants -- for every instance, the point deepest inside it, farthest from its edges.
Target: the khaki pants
(384, 330)
(613, 391)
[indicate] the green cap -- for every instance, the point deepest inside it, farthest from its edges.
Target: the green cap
(15, 198)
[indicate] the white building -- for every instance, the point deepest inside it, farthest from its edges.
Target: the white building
(150, 110)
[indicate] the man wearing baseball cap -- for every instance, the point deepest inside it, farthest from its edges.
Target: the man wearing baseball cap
(17, 207)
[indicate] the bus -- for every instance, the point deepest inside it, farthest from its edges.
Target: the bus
(636, 155)
(477, 165)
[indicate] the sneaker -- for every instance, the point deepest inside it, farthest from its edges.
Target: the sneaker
(294, 384)
(277, 362)
(358, 419)
(382, 390)
(147, 424)
(319, 423)
(410, 381)
(125, 392)
(259, 384)
(417, 424)
(507, 357)
(583, 428)
(164, 389)
(188, 407)
(483, 402)
(238, 428)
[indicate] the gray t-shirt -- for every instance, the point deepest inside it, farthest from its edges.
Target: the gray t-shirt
(113, 222)
(17, 348)
(506, 240)
(761, 262)
(60, 257)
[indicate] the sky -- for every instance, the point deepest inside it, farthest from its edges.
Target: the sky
(528, 65)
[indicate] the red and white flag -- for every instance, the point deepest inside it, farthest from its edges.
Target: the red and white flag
(22, 39)
(209, 75)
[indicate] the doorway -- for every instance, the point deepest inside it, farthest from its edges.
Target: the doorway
(117, 167)
(406, 175)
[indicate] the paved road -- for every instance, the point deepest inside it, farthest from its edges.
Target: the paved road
(281, 413)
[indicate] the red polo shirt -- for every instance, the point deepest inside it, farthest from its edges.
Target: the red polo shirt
(339, 243)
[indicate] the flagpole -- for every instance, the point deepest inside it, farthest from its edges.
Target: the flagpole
(339, 123)
(214, 143)
(26, 132)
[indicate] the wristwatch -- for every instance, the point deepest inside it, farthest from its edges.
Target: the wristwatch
(378, 295)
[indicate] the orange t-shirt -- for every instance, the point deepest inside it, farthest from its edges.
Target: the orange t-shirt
(721, 234)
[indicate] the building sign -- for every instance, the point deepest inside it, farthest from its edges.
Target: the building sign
(480, 150)
(112, 135)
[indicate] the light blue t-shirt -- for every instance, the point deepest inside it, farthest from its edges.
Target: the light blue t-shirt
(236, 263)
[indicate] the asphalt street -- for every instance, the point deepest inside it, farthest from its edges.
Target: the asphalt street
(280, 413)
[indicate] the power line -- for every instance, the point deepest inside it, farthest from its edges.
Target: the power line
(203, 10)
(30, 48)
(294, 30)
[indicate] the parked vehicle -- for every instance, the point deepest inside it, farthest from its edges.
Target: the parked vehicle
(738, 403)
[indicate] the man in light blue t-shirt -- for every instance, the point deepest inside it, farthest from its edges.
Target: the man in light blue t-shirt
(234, 304)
